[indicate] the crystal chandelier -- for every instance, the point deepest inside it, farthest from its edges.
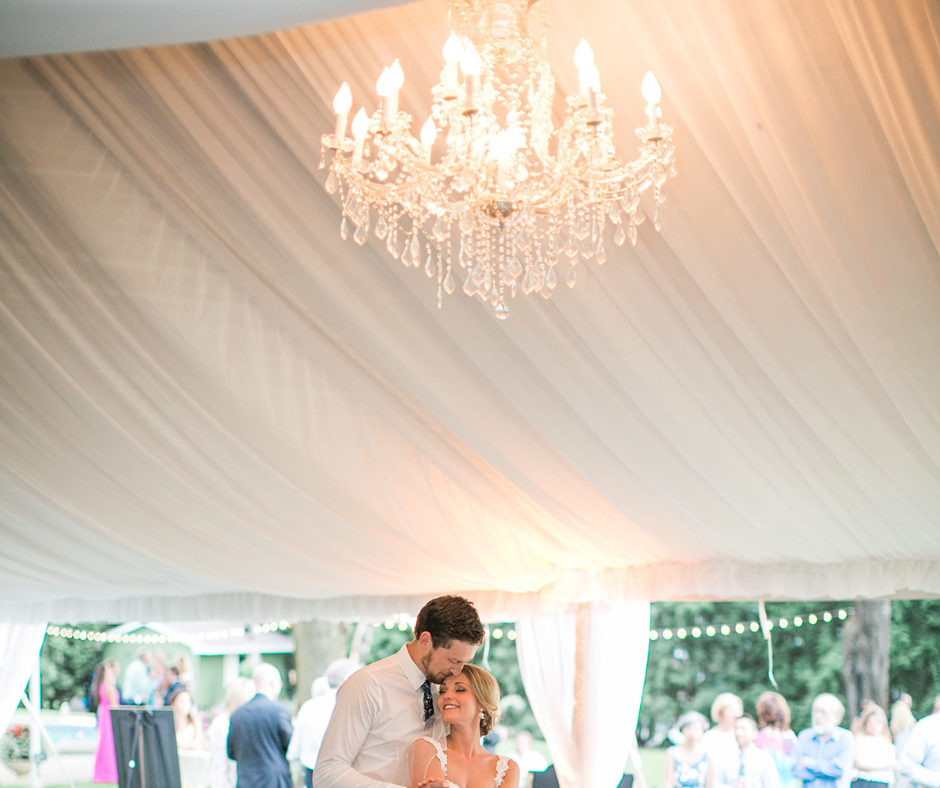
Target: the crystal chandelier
(490, 186)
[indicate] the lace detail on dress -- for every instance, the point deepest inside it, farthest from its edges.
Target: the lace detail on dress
(501, 766)
(441, 754)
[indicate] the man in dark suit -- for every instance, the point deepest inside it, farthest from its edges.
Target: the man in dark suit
(259, 733)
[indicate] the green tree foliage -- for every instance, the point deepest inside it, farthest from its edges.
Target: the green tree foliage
(686, 674)
(66, 665)
(915, 652)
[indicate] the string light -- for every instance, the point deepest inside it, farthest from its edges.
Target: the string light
(157, 638)
(741, 627)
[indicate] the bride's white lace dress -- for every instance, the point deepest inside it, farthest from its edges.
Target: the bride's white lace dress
(502, 764)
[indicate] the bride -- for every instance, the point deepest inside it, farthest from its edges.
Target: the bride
(468, 702)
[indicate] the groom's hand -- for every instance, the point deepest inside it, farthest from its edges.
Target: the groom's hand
(438, 783)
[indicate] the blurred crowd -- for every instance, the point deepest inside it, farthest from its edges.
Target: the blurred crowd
(738, 750)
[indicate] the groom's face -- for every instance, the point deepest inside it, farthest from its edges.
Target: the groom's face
(439, 663)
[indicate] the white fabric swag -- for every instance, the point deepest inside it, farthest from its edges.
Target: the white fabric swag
(227, 411)
(584, 672)
(20, 645)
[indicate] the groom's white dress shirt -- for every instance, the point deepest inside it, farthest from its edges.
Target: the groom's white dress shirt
(751, 768)
(379, 713)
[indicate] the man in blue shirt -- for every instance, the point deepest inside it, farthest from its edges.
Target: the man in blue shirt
(824, 754)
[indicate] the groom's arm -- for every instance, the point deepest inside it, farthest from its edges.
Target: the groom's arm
(357, 709)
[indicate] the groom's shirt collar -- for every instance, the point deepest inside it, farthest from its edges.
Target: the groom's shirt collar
(412, 671)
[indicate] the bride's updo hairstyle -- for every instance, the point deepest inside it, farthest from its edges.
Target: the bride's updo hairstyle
(486, 691)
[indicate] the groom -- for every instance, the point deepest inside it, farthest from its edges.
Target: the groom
(382, 709)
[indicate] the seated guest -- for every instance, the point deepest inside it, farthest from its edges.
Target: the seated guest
(825, 753)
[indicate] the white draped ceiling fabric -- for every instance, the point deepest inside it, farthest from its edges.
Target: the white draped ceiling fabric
(212, 406)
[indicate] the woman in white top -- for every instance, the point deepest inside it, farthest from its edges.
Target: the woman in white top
(875, 758)
(468, 702)
(719, 741)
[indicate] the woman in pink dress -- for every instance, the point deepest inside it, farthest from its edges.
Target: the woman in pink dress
(104, 690)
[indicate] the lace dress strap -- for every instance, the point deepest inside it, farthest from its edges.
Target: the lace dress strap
(501, 766)
(439, 751)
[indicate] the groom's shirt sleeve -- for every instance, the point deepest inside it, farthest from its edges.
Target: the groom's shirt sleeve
(358, 708)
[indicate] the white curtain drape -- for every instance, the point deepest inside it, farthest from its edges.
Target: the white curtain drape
(20, 645)
(584, 672)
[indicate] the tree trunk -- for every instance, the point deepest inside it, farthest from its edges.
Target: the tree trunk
(317, 644)
(866, 642)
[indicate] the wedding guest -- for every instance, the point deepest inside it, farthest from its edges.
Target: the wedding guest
(719, 741)
(259, 733)
(189, 735)
(314, 716)
(687, 762)
(137, 684)
(920, 760)
(902, 722)
(104, 691)
(223, 768)
(754, 768)
(529, 760)
(775, 736)
(824, 753)
(383, 707)
(875, 757)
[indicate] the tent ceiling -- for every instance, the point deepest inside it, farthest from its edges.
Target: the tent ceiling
(213, 407)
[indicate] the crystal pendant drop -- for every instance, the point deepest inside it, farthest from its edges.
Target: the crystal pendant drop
(551, 280)
(440, 297)
(501, 310)
(361, 235)
(572, 279)
(429, 267)
(406, 255)
(344, 229)
(449, 283)
(390, 244)
(464, 258)
(587, 248)
(440, 229)
(381, 227)
(332, 183)
(512, 289)
(656, 225)
(620, 235)
(415, 250)
(632, 233)
(601, 253)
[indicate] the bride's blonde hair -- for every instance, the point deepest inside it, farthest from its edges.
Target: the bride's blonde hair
(486, 691)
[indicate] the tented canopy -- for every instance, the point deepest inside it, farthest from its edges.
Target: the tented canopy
(212, 407)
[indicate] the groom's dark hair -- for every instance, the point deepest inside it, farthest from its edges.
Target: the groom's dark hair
(450, 618)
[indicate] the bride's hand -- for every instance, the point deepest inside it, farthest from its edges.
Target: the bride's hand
(432, 784)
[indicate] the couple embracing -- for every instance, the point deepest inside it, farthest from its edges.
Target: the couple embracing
(416, 718)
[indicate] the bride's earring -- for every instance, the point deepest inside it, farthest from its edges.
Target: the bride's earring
(482, 714)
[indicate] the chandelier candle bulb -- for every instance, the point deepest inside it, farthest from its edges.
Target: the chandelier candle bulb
(428, 135)
(396, 78)
(652, 93)
(453, 50)
(360, 126)
(470, 64)
(584, 60)
(342, 102)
